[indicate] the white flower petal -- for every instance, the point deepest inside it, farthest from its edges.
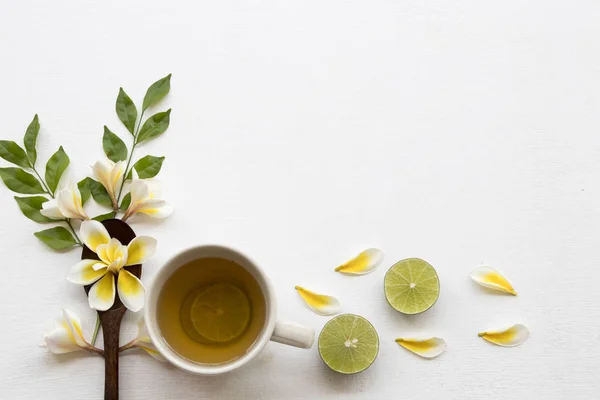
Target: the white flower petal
(155, 208)
(93, 233)
(101, 251)
(427, 348)
(102, 171)
(320, 303)
(362, 264)
(67, 336)
(69, 202)
(116, 176)
(511, 337)
(139, 191)
(59, 341)
(131, 290)
(74, 324)
(50, 210)
(86, 272)
(140, 249)
(102, 295)
(492, 279)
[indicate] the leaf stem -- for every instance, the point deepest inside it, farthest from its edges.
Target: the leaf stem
(135, 142)
(96, 329)
(46, 188)
(95, 350)
(68, 221)
(128, 346)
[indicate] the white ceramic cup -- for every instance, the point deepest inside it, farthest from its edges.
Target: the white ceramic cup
(283, 332)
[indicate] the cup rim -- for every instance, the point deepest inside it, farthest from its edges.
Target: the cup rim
(173, 264)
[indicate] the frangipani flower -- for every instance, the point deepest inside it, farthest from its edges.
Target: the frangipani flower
(319, 303)
(110, 175)
(427, 348)
(143, 201)
(67, 336)
(492, 279)
(363, 263)
(67, 204)
(144, 342)
(511, 337)
(113, 257)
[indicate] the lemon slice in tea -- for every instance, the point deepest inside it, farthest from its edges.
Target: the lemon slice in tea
(220, 313)
(348, 344)
(411, 286)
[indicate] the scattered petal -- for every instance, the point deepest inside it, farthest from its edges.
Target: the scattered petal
(131, 290)
(511, 337)
(86, 272)
(140, 249)
(93, 233)
(320, 303)
(102, 295)
(362, 264)
(492, 279)
(427, 348)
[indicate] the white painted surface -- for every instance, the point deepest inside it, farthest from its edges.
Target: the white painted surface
(302, 132)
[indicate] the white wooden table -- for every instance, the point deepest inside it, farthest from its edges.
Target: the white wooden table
(303, 132)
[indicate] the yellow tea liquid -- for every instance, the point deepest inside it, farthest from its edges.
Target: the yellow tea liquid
(211, 311)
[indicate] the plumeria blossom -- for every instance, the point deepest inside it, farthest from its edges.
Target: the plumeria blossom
(67, 204)
(144, 342)
(67, 336)
(110, 175)
(143, 201)
(113, 258)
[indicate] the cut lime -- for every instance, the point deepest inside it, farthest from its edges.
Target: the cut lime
(411, 286)
(348, 344)
(220, 313)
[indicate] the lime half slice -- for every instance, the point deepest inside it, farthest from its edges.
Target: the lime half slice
(348, 344)
(220, 313)
(411, 286)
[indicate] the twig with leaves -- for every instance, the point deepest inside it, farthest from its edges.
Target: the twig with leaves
(46, 203)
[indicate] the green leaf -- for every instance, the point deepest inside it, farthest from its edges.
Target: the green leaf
(55, 167)
(154, 126)
(20, 181)
(126, 110)
(31, 206)
(102, 217)
(99, 193)
(125, 202)
(157, 91)
(85, 188)
(148, 167)
(113, 146)
(30, 139)
(13, 153)
(58, 238)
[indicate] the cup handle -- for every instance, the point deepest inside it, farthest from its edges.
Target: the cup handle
(293, 334)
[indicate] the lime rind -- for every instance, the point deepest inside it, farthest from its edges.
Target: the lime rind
(348, 344)
(411, 286)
